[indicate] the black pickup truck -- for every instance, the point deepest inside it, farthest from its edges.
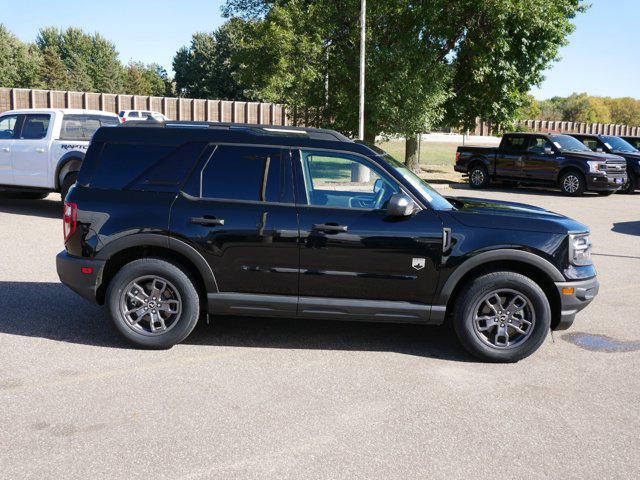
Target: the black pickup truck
(545, 160)
(617, 146)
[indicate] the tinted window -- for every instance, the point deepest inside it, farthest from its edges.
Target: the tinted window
(121, 163)
(590, 143)
(82, 127)
(514, 144)
(133, 114)
(618, 144)
(35, 127)
(569, 144)
(7, 126)
(247, 173)
(170, 171)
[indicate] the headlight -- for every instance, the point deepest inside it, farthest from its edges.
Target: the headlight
(596, 166)
(580, 249)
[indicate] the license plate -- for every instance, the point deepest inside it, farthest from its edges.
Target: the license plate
(617, 180)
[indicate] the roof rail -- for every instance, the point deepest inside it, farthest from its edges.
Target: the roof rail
(255, 129)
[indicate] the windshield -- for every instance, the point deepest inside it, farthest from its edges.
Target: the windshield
(618, 144)
(437, 201)
(569, 144)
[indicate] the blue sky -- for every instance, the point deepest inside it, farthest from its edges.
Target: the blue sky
(602, 59)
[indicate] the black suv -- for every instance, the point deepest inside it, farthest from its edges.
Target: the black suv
(544, 160)
(617, 146)
(168, 222)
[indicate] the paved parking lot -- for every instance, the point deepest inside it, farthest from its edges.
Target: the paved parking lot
(292, 399)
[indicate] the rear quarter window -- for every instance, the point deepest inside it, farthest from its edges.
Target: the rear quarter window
(82, 127)
(147, 167)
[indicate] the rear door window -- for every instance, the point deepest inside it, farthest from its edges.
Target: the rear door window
(82, 127)
(259, 174)
(35, 127)
(514, 143)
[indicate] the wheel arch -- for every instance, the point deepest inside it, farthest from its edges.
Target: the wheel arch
(541, 271)
(571, 168)
(477, 160)
(69, 162)
(132, 247)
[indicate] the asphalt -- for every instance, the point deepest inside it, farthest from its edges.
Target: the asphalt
(286, 399)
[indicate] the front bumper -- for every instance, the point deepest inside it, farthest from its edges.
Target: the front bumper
(606, 183)
(575, 296)
(84, 283)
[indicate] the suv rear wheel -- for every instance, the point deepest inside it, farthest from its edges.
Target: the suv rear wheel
(152, 303)
(502, 317)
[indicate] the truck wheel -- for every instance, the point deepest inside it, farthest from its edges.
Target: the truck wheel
(153, 303)
(572, 183)
(631, 185)
(67, 183)
(502, 317)
(479, 176)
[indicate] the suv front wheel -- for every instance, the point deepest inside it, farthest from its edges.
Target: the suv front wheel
(153, 303)
(502, 317)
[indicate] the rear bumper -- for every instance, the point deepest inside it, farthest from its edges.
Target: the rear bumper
(606, 182)
(460, 168)
(70, 271)
(573, 301)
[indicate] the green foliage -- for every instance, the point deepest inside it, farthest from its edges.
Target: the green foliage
(580, 107)
(206, 69)
(436, 62)
(19, 62)
(141, 79)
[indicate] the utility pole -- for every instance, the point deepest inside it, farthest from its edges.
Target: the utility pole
(363, 38)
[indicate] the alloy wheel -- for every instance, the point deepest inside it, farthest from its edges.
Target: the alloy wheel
(504, 319)
(571, 183)
(477, 177)
(151, 305)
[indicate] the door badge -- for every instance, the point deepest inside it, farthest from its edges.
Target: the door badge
(418, 263)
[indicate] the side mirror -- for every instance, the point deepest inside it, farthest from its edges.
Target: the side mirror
(377, 185)
(401, 205)
(548, 151)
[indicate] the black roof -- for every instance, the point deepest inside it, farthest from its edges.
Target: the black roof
(175, 133)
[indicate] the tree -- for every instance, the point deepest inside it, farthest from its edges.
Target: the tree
(583, 108)
(141, 79)
(53, 71)
(205, 69)
(428, 63)
(19, 62)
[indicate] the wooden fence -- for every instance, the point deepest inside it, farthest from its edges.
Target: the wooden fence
(553, 126)
(174, 108)
(194, 109)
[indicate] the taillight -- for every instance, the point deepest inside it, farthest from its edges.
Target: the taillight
(457, 157)
(69, 219)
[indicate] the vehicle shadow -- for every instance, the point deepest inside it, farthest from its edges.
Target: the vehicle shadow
(540, 191)
(52, 311)
(628, 228)
(49, 207)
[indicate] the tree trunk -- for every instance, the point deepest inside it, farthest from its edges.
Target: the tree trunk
(360, 173)
(411, 159)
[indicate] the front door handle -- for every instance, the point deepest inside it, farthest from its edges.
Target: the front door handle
(207, 221)
(40, 150)
(330, 227)
(6, 149)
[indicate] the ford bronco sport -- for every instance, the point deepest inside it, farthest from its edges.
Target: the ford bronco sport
(171, 221)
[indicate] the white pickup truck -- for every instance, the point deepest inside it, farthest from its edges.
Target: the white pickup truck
(41, 150)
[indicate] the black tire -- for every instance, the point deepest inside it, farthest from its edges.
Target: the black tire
(67, 183)
(631, 186)
(184, 322)
(471, 299)
(479, 176)
(573, 183)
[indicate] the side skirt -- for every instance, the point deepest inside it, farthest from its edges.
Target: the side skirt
(247, 304)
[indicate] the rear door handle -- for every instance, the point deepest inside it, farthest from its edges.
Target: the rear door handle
(207, 221)
(330, 227)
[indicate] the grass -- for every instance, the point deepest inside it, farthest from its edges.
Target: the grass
(431, 153)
